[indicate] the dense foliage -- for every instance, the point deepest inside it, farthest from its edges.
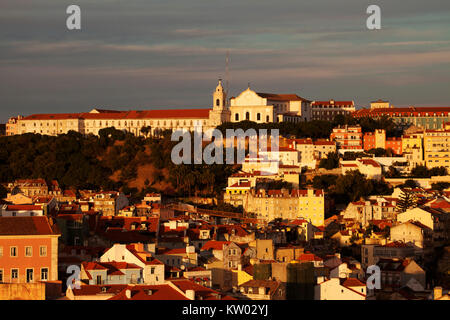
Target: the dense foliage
(91, 162)
(71, 159)
(370, 124)
(311, 129)
(351, 186)
(424, 172)
(406, 200)
(330, 162)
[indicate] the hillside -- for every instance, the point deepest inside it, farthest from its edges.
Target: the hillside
(115, 160)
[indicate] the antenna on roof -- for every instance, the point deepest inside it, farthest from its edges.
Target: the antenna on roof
(227, 64)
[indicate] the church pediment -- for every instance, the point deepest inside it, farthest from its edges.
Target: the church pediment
(248, 97)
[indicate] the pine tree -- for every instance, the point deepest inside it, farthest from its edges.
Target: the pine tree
(406, 201)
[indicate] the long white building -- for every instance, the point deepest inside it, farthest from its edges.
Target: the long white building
(132, 121)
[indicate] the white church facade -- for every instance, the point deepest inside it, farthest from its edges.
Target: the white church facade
(269, 107)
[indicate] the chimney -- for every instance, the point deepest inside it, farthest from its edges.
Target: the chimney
(190, 294)
(437, 293)
(128, 293)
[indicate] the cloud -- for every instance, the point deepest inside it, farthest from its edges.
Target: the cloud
(171, 52)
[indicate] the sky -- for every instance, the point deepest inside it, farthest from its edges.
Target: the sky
(155, 54)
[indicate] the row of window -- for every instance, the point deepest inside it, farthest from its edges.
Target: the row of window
(125, 123)
(29, 275)
(14, 251)
(247, 117)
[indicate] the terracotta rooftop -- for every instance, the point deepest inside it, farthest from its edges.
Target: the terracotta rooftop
(25, 226)
(126, 115)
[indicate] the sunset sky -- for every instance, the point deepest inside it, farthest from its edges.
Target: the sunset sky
(152, 54)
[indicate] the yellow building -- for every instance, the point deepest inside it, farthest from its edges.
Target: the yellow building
(296, 204)
(241, 275)
(309, 151)
(437, 148)
(380, 104)
(234, 194)
(412, 149)
(412, 141)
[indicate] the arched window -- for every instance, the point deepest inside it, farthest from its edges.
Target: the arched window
(247, 115)
(267, 118)
(236, 117)
(258, 116)
(218, 102)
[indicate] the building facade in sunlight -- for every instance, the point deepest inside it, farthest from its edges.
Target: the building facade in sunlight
(132, 121)
(269, 107)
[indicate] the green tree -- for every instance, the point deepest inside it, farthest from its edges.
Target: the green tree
(406, 200)
(420, 171)
(146, 130)
(354, 185)
(410, 183)
(324, 181)
(392, 172)
(440, 186)
(438, 171)
(330, 162)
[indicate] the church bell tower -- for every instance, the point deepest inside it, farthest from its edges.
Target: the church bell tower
(219, 97)
(220, 112)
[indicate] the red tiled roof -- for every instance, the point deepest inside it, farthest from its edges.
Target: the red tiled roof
(299, 222)
(173, 251)
(127, 115)
(215, 245)
(22, 207)
(324, 142)
(280, 97)
(309, 257)
(353, 282)
(240, 185)
(293, 193)
(396, 244)
(238, 230)
(329, 103)
(404, 112)
(200, 291)
(271, 284)
(154, 292)
(370, 162)
(25, 226)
